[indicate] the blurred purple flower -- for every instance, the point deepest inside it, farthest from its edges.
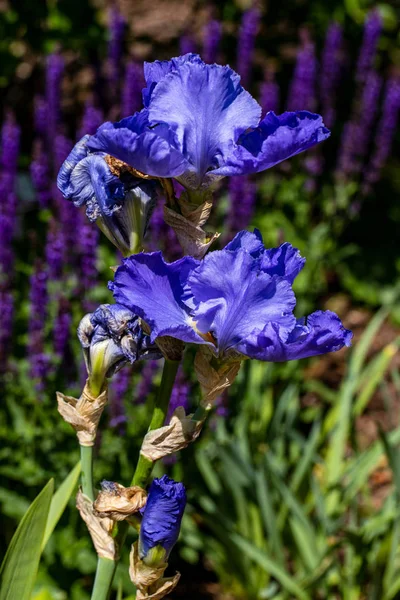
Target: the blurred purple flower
(385, 132)
(92, 118)
(40, 174)
(132, 90)
(54, 73)
(372, 32)
(40, 116)
(242, 198)
(6, 327)
(62, 328)
(54, 249)
(302, 88)
(331, 70)
(187, 45)
(269, 93)
(120, 386)
(38, 300)
(179, 395)
(117, 25)
(246, 43)
(144, 387)
(212, 33)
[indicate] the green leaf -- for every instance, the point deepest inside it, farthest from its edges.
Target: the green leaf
(60, 501)
(270, 566)
(19, 569)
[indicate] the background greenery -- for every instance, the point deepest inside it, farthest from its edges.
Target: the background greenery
(294, 492)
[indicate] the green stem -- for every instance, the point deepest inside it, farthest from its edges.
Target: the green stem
(87, 471)
(144, 467)
(104, 577)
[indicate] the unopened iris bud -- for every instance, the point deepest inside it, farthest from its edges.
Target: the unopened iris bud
(115, 196)
(111, 337)
(161, 522)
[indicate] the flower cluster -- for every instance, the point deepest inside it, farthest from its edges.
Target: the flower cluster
(238, 301)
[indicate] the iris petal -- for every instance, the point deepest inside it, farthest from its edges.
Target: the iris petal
(207, 108)
(153, 289)
(273, 141)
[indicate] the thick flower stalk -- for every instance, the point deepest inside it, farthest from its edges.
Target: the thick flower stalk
(115, 198)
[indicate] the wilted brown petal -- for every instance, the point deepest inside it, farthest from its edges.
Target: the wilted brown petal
(83, 414)
(118, 502)
(175, 436)
(213, 381)
(99, 528)
(194, 241)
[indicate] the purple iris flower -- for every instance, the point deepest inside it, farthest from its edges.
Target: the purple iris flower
(121, 205)
(238, 300)
(199, 125)
(162, 517)
(110, 337)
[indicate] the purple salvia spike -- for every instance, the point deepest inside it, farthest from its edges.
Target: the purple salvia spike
(302, 88)
(120, 386)
(187, 44)
(6, 324)
(269, 93)
(54, 250)
(38, 299)
(54, 73)
(242, 196)
(92, 118)
(179, 396)
(40, 174)
(117, 25)
(247, 39)
(372, 31)
(66, 210)
(145, 384)
(211, 41)
(40, 116)
(62, 328)
(132, 90)
(385, 133)
(88, 243)
(331, 70)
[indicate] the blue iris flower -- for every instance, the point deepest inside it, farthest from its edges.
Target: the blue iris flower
(238, 301)
(121, 205)
(162, 518)
(198, 125)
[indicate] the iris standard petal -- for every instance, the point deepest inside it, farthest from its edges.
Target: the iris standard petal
(277, 138)
(153, 289)
(250, 241)
(285, 261)
(149, 150)
(207, 108)
(233, 298)
(156, 70)
(319, 333)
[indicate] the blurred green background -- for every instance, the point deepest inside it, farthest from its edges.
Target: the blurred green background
(294, 485)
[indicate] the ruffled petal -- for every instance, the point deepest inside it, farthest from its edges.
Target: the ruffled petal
(156, 70)
(207, 108)
(233, 298)
(78, 152)
(285, 261)
(273, 141)
(149, 150)
(251, 242)
(153, 289)
(320, 333)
